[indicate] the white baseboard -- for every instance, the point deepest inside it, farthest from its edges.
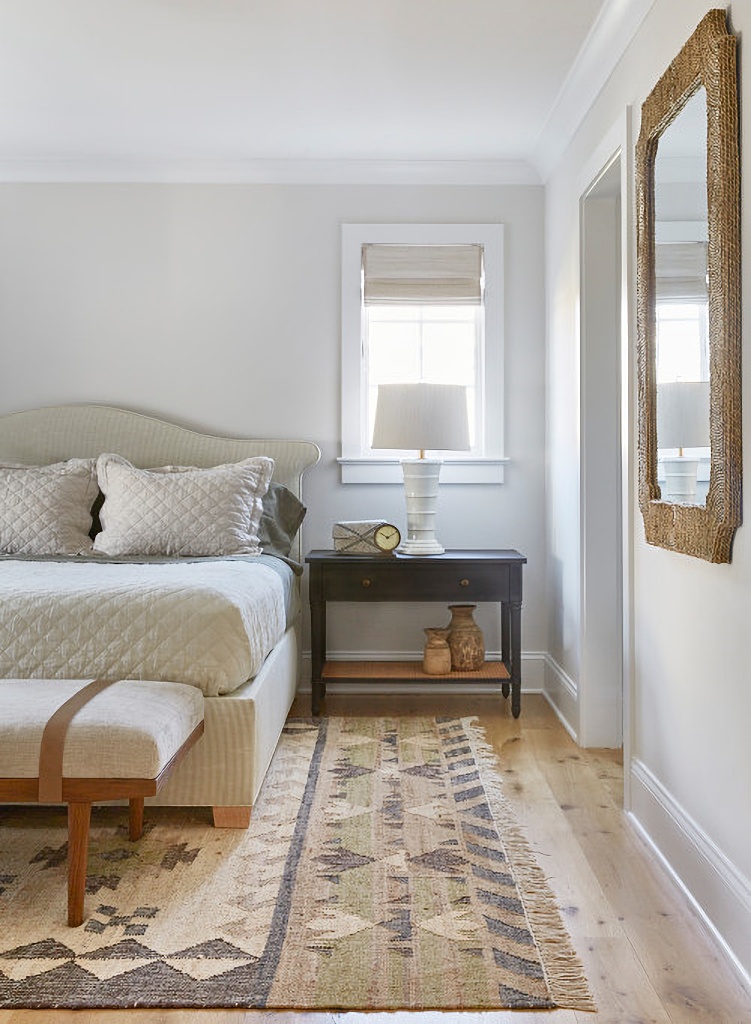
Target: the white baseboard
(719, 893)
(562, 694)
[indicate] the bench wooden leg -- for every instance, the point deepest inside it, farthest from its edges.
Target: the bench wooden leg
(231, 817)
(79, 818)
(136, 817)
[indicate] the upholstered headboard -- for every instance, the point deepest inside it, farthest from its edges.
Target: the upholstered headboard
(37, 437)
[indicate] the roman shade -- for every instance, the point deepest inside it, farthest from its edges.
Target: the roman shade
(397, 275)
(681, 272)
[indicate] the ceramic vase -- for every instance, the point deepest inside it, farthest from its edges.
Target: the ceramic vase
(436, 659)
(465, 639)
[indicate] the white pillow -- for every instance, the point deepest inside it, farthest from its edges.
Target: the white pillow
(196, 512)
(46, 510)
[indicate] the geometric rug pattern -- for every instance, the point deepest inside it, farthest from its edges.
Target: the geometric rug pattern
(382, 870)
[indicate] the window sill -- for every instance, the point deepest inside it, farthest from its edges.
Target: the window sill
(453, 471)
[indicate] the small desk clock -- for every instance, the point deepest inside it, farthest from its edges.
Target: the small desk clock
(366, 537)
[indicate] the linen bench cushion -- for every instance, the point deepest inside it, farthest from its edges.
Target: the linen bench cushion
(123, 742)
(129, 731)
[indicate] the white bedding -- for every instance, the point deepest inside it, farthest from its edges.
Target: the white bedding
(210, 624)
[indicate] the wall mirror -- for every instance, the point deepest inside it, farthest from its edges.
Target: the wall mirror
(688, 299)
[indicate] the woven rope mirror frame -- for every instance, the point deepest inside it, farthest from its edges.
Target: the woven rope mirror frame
(707, 60)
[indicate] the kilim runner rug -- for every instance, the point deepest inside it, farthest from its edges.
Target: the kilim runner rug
(381, 870)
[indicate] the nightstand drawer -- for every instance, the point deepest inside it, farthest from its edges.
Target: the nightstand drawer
(410, 580)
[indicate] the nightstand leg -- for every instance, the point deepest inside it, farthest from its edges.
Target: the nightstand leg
(319, 692)
(515, 667)
(505, 652)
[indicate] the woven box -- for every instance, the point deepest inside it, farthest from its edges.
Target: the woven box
(356, 538)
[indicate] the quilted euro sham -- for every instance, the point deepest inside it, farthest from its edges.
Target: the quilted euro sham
(190, 512)
(281, 516)
(46, 510)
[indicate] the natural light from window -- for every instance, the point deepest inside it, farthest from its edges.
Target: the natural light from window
(436, 344)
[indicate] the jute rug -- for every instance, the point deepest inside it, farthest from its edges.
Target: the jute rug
(381, 870)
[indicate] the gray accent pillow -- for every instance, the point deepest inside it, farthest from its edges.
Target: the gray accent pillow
(281, 518)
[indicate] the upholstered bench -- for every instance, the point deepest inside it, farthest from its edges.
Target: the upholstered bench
(80, 742)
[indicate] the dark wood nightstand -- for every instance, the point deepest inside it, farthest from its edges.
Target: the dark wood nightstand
(454, 577)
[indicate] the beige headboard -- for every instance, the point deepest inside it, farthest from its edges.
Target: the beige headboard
(37, 437)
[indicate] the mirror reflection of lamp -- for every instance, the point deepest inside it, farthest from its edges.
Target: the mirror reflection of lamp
(682, 422)
(421, 417)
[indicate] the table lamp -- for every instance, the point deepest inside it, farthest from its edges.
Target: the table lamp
(422, 417)
(682, 422)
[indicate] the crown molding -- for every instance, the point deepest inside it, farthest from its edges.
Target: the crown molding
(615, 27)
(274, 172)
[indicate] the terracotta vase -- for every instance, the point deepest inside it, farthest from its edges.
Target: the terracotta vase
(436, 660)
(465, 639)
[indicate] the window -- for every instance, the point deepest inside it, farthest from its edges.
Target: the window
(422, 303)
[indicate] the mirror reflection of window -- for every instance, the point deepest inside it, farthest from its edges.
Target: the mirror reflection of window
(682, 341)
(681, 292)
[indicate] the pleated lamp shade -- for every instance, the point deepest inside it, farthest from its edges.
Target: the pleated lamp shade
(683, 414)
(421, 417)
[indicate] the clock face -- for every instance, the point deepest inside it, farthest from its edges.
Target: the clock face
(387, 537)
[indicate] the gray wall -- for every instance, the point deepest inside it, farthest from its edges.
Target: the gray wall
(219, 307)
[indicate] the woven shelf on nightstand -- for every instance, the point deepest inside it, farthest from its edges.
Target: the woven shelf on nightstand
(408, 671)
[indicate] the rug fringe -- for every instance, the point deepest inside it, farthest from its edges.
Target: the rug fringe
(563, 968)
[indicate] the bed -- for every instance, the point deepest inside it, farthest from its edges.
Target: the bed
(248, 684)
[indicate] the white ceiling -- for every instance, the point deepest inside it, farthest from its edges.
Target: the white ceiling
(181, 82)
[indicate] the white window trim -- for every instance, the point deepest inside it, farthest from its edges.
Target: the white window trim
(356, 467)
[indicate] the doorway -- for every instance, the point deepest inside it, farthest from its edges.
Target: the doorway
(601, 675)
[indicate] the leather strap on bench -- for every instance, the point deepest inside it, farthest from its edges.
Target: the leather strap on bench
(53, 741)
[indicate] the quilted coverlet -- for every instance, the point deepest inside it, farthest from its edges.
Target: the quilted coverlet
(210, 624)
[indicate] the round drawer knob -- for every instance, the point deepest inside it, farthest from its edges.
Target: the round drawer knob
(366, 582)
(463, 583)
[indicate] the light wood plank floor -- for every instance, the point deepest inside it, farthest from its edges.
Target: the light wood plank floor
(647, 956)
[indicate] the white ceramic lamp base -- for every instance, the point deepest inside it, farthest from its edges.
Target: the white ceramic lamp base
(421, 490)
(680, 480)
